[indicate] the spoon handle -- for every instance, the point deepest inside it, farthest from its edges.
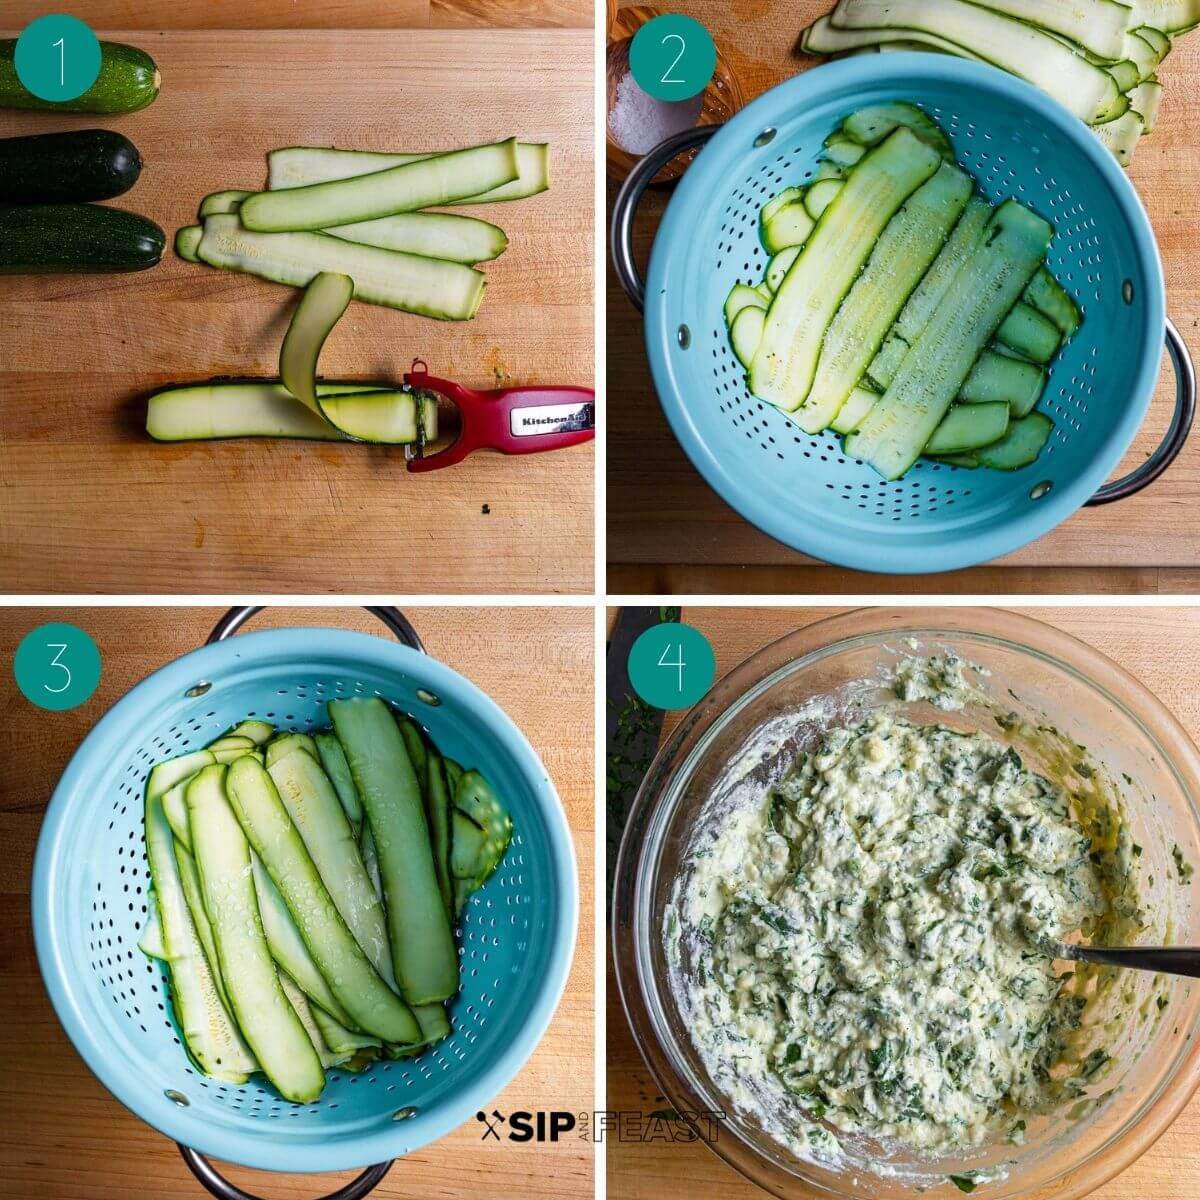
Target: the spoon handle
(1173, 960)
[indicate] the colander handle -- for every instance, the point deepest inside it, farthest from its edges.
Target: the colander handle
(220, 1187)
(620, 230)
(1181, 425)
(393, 618)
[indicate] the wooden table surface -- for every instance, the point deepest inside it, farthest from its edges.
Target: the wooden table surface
(88, 503)
(314, 14)
(63, 1137)
(667, 531)
(1161, 648)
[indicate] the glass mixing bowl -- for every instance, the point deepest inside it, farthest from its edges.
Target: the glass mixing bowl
(719, 757)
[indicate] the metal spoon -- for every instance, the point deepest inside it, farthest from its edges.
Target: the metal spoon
(1172, 960)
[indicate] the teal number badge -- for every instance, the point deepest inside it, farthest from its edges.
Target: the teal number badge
(671, 665)
(57, 57)
(57, 666)
(672, 57)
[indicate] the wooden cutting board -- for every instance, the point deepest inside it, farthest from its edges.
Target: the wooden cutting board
(64, 1137)
(662, 513)
(89, 504)
(1158, 646)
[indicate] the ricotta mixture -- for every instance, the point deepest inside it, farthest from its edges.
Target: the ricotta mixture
(869, 935)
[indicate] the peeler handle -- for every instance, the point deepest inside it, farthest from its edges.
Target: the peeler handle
(1181, 425)
(393, 618)
(219, 1186)
(519, 420)
(620, 229)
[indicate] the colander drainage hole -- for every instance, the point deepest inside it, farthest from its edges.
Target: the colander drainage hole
(684, 337)
(1127, 291)
(766, 137)
(177, 1097)
(1040, 489)
(402, 1114)
(198, 689)
(427, 697)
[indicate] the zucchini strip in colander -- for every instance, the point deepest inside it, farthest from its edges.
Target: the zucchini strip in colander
(267, 1021)
(210, 1035)
(287, 946)
(423, 950)
(437, 811)
(899, 260)
(892, 435)
(300, 1005)
(825, 269)
(372, 1005)
(1084, 88)
(317, 814)
(333, 759)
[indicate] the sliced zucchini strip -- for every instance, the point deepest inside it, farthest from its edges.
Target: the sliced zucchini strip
(443, 290)
(446, 236)
(209, 1033)
(905, 249)
(228, 201)
(423, 950)
(209, 411)
(928, 293)
(1087, 90)
(300, 1005)
(287, 946)
(425, 183)
(895, 431)
(372, 1005)
(1098, 26)
(267, 1021)
(322, 305)
(1001, 377)
(741, 296)
(383, 418)
(785, 362)
(1029, 333)
(437, 812)
(150, 943)
(299, 166)
(333, 759)
(187, 241)
(967, 427)
(317, 813)
(1020, 446)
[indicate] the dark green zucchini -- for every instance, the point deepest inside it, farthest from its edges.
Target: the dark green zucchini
(45, 238)
(128, 80)
(60, 168)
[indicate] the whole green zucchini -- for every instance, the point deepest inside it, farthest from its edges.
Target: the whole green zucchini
(57, 168)
(45, 238)
(128, 80)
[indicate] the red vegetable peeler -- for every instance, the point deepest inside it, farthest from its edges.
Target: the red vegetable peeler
(520, 420)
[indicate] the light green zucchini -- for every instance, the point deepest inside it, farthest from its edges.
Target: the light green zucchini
(267, 1021)
(358, 987)
(209, 1032)
(333, 759)
(444, 290)
(907, 246)
(895, 431)
(423, 951)
(785, 362)
(325, 300)
(313, 805)
(299, 166)
(409, 187)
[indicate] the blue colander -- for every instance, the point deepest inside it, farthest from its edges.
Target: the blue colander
(801, 489)
(89, 903)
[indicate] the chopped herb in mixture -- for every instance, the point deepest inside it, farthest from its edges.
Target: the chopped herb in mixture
(872, 933)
